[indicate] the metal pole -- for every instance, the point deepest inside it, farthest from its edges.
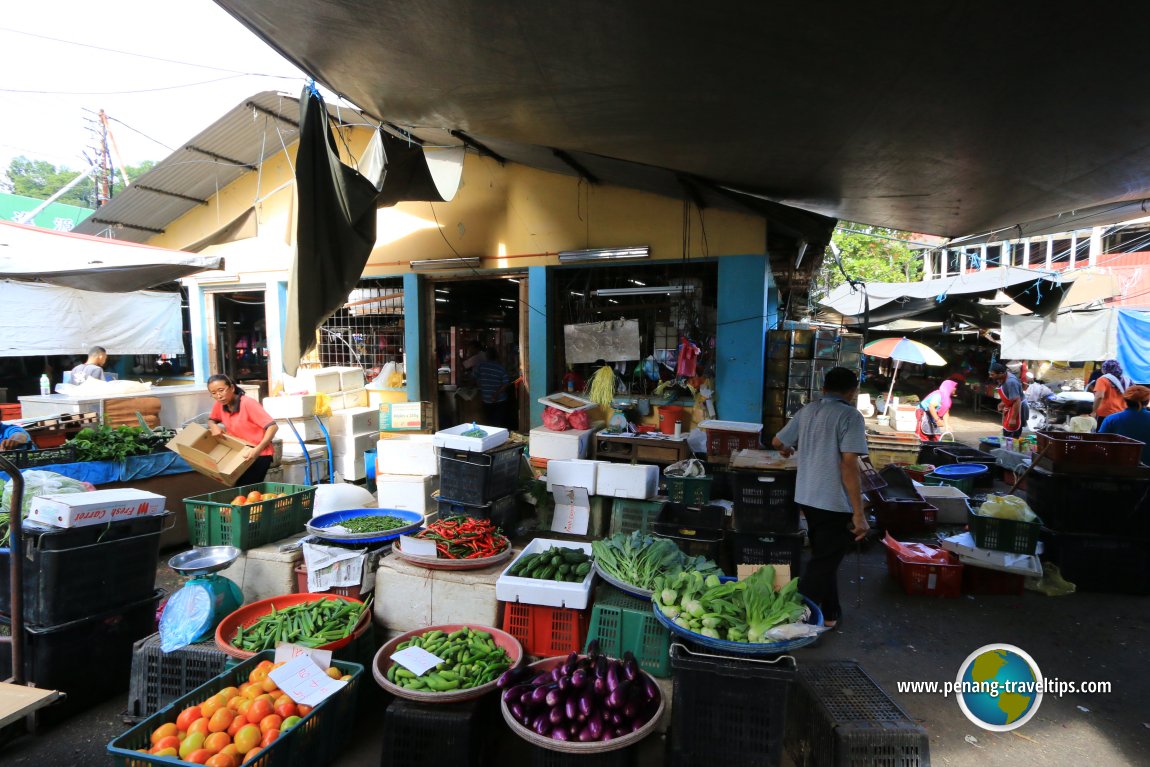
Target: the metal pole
(16, 569)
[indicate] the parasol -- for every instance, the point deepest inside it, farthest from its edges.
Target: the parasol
(902, 350)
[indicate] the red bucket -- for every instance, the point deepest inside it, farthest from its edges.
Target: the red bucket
(669, 415)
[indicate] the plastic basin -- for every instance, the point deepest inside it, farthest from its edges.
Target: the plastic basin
(383, 660)
(961, 470)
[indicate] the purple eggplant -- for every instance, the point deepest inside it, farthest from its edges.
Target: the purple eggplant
(573, 729)
(620, 731)
(586, 702)
(616, 718)
(541, 724)
(579, 679)
(618, 697)
(612, 677)
(585, 735)
(554, 697)
(572, 660)
(650, 689)
(597, 726)
(560, 733)
(539, 694)
(593, 648)
(516, 711)
(628, 656)
(599, 687)
(564, 683)
(637, 725)
(607, 735)
(571, 707)
(515, 692)
(556, 673)
(580, 717)
(555, 715)
(630, 670)
(509, 677)
(527, 699)
(601, 667)
(543, 678)
(630, 710)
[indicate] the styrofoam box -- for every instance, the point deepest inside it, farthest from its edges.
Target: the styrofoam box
(744, 426)
(453, 438)
(409, 597)
(622, 480)
(343, 444)
(265, 572)
(406, 492)
(1019, 564)
(347, 400)
(307, 428)
(534, 591)
(953, 505)
(292, 449)
(350, 466)
(290, 406)
(350, 378)
(321, 380)
(559, 445)
(356, 420)
(573, 472)
(294, 472)
(407, 454)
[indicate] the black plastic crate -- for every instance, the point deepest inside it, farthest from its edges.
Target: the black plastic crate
(947, 453)
(764, 502)
(89, 659)
(696, 530)
(75, 572)
(766, 549)
(1101, 563)
(425, 735)
(47, 456)
(624, 757)
(728, 711)
(1100, 505)
(158, 678)
(478, 478)
(503, 512)
(839, 716)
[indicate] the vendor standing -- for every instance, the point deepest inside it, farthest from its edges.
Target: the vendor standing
(1133, 421)
(830, 436)
(1012, 404)
(93, 367)
(934, 412)
(243, 418)
(1109, 390)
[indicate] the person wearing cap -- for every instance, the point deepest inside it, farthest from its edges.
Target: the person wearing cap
(1134, 421)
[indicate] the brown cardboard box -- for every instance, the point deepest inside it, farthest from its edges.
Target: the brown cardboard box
(215, 457)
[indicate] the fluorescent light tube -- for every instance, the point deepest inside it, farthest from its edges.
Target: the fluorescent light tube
(604, 254)
(437, 264)
(649, 290)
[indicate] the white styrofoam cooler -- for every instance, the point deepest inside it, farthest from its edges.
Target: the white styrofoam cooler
(346, 400)
(453, 438)
(559, 445)
(290, 406)
(356, 420)
(307, 428)
(350, 378)
(573, 472)
(348, 453)
(293, 465)
(953, 504)
(621, 480)
(407, 454)
(320, 380)
(534, 591)
(406, 492)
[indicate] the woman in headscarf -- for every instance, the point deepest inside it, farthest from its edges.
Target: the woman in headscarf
(933, 412)
(1108, 390)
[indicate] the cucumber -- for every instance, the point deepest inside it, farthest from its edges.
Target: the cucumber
(583, 569)
(574, 556)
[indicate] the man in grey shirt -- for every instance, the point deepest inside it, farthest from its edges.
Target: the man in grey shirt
(93, 367)
(829, 436)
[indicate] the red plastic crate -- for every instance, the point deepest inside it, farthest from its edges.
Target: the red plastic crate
(922, 579)
(1113, 449)
(46, 439)
(11, 412)
(546, 631)
(721, 443)
(984, 581)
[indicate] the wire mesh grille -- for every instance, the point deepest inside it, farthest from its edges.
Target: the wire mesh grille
(367, 331)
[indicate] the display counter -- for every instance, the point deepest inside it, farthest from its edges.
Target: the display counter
(180, 404)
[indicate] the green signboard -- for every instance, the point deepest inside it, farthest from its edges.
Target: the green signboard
(56, 216)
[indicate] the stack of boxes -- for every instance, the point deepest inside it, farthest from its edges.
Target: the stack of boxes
(479, 476)
(407, 472)
(765, 520)
(797, 364)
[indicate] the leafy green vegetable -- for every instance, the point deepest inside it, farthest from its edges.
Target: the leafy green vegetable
(738, 611)
(640, 559)
(115, 443)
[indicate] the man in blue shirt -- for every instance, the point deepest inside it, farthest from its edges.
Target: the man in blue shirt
(829, 437)
(493, 382)
(1134, 421)
(13, 437)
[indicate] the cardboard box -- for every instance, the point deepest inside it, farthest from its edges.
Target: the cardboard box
(357, 420)
(621, 480)
(404, 416)
(215, 457)
(98, 507)
(557, 445)
(407, 454)
(290, 406)
(406, 492)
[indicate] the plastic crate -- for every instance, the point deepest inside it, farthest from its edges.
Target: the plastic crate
(76, 572)
(623, 757)
(423, 735)
(925, 579)
(1098, 449)
(693, 491)
(839, 716)
(158, 677)
(728, 711)
(764, 502)
(11, 411)
(622, 623)
(546, 631)
(629, 515)
(721, 443)
(949, 454)
(503, 512)
(1094, 504)
(479, 478)
(317, 740)
(88, 659)
(1007, 535)
(25, 459)
(904, 517)
(1108, 564)
(213, 521)
(965, 484)
(767, 549)
(696, 531)
(983, 581)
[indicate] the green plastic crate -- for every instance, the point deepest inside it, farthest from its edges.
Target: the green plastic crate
(213, 521)
(965, 484)
(1010, 535)
(629, 515)
(622, 622)
(316, 740)
(693, 491)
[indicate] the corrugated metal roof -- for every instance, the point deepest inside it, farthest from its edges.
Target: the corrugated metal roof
(233, 145)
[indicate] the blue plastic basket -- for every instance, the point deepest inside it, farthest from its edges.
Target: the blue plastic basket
(316, 525)
(961, 470)
(743, 648)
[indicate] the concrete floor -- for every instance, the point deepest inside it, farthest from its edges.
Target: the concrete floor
(896, 638)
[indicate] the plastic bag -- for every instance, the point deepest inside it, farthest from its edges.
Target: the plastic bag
(691, 467)
(37, 483)
(917, 552)
(187, 617)
(323, 405)
(1007, 507)
(555, 419)
(1052, 584)
(579, 420)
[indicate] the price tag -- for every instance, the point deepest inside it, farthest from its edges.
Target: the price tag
(416, 660)
(305, 682)
(286, 651)
(417, 547)
(572, 510)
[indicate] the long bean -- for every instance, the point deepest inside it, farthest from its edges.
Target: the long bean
(310, 624)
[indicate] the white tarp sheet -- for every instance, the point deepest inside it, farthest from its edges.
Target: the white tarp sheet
(46, 319)
(1070, 336)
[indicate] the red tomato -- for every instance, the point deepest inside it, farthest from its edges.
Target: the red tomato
(286, 708)
(199, 756)
(258, 710)
(269, 738)
(271, 722)
(186, 717)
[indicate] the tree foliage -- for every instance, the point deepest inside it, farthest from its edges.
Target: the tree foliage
(869, 253)
(41, 179)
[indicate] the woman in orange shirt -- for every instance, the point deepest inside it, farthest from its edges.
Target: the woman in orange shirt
(243, 418)
(1109, 390)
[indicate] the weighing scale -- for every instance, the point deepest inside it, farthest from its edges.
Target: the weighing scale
(192, 613)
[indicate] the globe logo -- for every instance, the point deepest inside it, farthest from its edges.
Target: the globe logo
(999, 687)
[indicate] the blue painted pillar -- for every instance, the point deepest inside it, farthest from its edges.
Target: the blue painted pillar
(748, 303)
(413, 333)
(540, 359)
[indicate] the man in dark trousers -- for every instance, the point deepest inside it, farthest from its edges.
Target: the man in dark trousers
(829, 437)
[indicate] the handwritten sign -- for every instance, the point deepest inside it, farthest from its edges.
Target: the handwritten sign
(572, 510)
(417, 547)
(416, 660)
(305, 682)
(286, 651)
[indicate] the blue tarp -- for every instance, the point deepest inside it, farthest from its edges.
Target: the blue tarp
(132, 468)
(1134, 344)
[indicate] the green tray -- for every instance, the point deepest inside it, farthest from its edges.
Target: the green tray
(622, 622)
(213, 521)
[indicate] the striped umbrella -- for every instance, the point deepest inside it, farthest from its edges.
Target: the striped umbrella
(902, 350)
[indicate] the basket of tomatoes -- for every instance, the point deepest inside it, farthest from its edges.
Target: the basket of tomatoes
(249, 516)
(242, 717)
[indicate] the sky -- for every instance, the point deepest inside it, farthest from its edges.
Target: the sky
(54, 78)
